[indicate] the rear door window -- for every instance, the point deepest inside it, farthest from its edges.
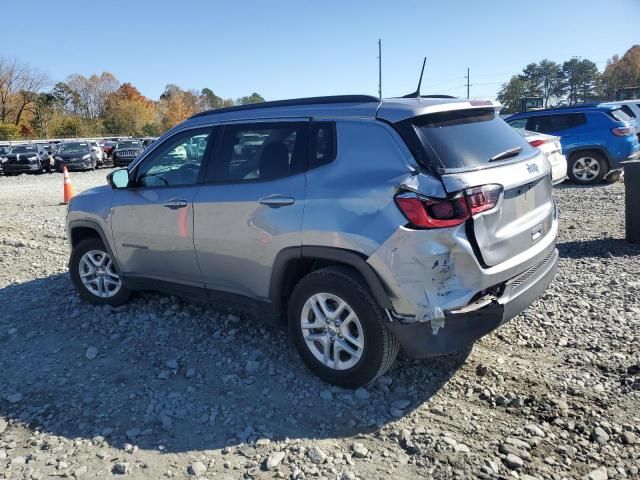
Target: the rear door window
(261, 151)
(461, 139)
(555, 123)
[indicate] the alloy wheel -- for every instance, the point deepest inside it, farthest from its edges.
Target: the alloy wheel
(586, 169)
(98, 274)
(332, 331)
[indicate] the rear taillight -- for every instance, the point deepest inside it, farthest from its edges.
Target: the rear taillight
(537, 143)
(481, 199)
(622, 131)
(437, 213)
(429, 213)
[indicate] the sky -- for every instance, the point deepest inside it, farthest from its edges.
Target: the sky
(300, 48)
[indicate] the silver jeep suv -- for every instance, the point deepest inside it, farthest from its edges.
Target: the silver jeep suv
(362, 225)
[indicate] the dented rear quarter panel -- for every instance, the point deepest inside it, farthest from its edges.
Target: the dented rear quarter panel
(350, 202)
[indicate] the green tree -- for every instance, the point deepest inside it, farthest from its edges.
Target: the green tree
(9, 131)
(43, 112)
(253, 98)
(545, 79)
(210, 99)
(511, 92)
(65, 99)
(581, 80)
(68, 127)
(153, 129)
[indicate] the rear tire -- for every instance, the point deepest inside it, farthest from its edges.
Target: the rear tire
(359, 345)
(587, 168)
(93, 273)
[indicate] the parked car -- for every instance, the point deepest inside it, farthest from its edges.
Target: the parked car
(75, 156)
(422, 223)
(631, 108)
(595, 138)
(99, 153)
(4, 149)
(107, 148)
(125, 152)
(147, 141)
(552, 149)
(28, 158)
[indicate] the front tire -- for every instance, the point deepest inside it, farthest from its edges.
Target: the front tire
(94, 274)
(338, 328)
(587, 168)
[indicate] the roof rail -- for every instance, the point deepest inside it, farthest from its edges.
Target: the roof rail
(293, 103)
(437, 96)
(577, 105)
(430, 96)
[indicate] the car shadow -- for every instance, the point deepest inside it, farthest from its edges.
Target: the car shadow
(176, 375)
(598, 248)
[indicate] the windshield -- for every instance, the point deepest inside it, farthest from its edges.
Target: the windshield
(24, 149)
(74, 147)
(129, 144)
(469, 138)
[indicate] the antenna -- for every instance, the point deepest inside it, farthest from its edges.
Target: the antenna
(416, 94)
(380, 68)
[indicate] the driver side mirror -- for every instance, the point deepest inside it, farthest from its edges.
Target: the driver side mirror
(119, 178)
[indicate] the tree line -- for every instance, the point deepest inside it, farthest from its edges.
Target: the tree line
(574, 81)
(31, 106)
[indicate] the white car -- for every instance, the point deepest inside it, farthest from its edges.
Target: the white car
(632, 109)
(98, 152)
(550, 146)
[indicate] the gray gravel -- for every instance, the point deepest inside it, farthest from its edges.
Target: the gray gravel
(165, 388)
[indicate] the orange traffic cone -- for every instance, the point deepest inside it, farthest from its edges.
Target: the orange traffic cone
(68, 188)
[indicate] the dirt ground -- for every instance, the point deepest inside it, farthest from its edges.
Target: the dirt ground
(163, 388)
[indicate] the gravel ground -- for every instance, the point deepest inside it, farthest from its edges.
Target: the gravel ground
(167, 388)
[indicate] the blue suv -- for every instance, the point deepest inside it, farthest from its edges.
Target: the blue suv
(595, 138)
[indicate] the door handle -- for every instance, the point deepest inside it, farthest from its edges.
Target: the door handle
(175, 203)
(276, 201)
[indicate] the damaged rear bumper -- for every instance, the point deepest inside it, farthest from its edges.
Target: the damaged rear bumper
(460, 329)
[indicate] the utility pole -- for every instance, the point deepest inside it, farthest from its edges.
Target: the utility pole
(380, 68)
(468, 84)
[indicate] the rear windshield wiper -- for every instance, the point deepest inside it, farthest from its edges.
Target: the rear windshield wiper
(512, 152)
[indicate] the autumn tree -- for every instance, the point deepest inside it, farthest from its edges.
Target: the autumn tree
(91, 93)
(127, 111)
(621, 72)
(176, 105)
(20, 85)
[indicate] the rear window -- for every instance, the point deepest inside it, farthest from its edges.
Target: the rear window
(469, 138)
(619, 115)
(627, 109)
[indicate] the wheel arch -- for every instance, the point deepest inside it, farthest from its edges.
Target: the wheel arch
(293, 263)
(80, 230)
(569, 154)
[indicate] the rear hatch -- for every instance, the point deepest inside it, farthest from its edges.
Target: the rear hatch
(473, 147)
